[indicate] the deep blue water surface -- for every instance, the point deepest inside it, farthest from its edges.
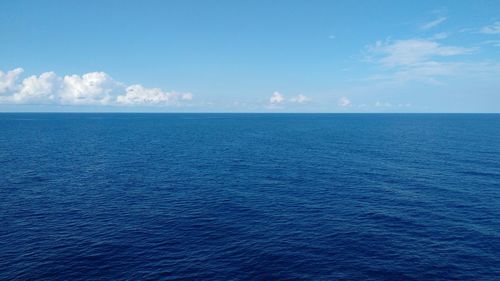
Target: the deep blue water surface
(249, 197)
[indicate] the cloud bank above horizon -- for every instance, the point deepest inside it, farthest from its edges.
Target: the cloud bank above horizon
(93, 88)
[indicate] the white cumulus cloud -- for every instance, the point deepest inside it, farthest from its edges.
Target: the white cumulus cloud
(138, 95)
(8, 80)
(300, 99)
(276, 98)
(344, 102)
(94, 88)
(41, 89)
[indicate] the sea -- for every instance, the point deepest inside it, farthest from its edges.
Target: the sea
(116, 196)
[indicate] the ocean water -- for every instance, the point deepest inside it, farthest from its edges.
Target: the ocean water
(249, 197)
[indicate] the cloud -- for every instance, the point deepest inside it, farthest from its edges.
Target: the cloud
(491, 29)
(434, 23)
(495, 43)
(276, 98)
(8, 80)
(423, 60)
(430, 73)
(300, 99)
(138, 95)
(94, 88)
(412, 51)
(383, 104)
(344, 102)
(41, 89)
(440, 36)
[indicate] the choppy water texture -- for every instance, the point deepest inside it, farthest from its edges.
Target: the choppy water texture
(249, 197)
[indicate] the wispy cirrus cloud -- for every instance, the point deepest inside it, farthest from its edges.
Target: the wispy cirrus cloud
(493, 28)
(415, 59)
(412, 51)
(495, 43)
(433, 23)
(440, 36)
(428, 59)
(94, 88)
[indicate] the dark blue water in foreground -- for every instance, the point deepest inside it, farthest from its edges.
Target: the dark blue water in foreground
(249, 197)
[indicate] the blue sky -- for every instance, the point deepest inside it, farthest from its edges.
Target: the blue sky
(250, 56)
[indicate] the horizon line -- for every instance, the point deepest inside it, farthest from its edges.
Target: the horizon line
(228, 112)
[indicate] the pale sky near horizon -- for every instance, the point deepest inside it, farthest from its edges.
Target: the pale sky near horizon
(250, 56)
